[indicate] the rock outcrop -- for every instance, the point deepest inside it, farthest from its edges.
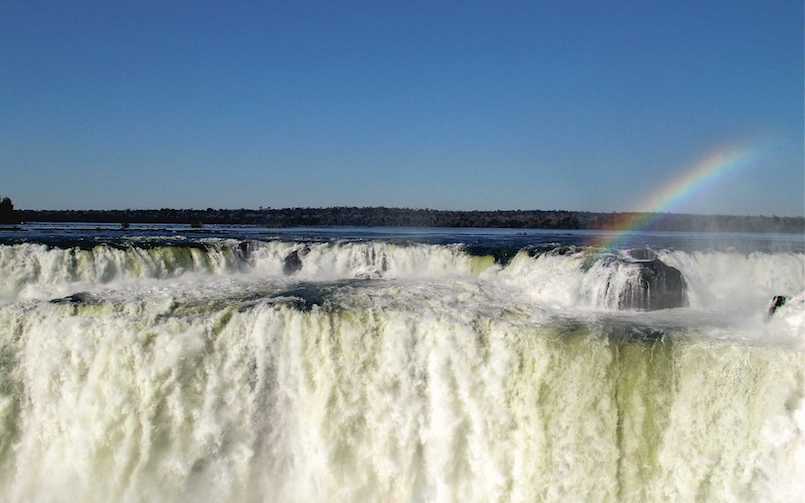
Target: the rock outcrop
(654, 285)
(776, 303)
(76, 298)
(293, 262)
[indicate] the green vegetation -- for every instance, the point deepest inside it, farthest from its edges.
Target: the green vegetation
(407, 217)
(7, 213)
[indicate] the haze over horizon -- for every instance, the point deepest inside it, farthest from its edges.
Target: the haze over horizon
(587, 107)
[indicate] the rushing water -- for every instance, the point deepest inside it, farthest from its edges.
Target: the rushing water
(244, 364)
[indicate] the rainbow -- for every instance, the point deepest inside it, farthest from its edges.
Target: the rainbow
(707, 169)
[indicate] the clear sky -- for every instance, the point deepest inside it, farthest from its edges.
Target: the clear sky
(572, 105)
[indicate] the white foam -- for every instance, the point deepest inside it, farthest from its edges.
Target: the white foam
(154, 400)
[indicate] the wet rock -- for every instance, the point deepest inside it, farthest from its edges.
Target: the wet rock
(655, 285)
(244, 248)
(776, 303)
(551, 249)
(293, 262)
(76, 298)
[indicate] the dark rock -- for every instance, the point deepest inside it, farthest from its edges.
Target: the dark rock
(76, 298)
(551, 249)
(776, 303)
(656, 286)
(244, 248)
(293, 263)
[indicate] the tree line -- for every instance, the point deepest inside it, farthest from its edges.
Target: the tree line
(7, 213)
(414, 217)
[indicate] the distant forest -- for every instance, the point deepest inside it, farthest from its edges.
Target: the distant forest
(398, 217)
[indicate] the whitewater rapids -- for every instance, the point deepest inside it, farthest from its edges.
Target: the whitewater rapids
(372, 371)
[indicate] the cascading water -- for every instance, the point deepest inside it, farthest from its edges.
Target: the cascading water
(373, 371)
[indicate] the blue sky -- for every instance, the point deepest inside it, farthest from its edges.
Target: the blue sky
(573, 105)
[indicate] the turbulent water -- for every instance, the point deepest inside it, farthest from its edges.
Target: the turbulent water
(220, 370)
